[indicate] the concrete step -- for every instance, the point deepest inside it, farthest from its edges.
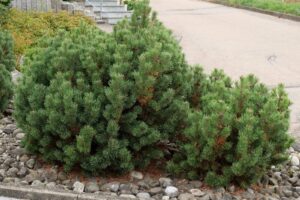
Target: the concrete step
(108, 15)
(113, 21)
(102, 3)
(115, 8)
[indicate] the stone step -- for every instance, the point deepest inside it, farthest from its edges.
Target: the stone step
(111, 15)
(113, 21)
(102, 3)
(115, 8)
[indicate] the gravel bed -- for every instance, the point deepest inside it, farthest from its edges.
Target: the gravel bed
(18, 168)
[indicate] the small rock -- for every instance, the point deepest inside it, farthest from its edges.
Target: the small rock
(18, 130)
(78, 187)
(33, 175)
(92, 187)
(287, 192)
(9, 129)
(2, 150)
(30, 163)
(24, 158)
(165, 198)
(12, 172)
(128, 196)
(197, 192)
(125, 188)
(50, 175)
(165, 182)
(37, 183)
(142, 184)
(143, 195)
(113, 187)
(207, 197)
(171, 191)
(62, 176)
(20, 136)
(186, 196)
(136, 175)
(294, 160)
(293, 180)
(22, 173)
(156, 190)
(231, 188)
(51, 185)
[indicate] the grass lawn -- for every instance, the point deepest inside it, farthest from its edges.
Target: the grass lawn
(271, 5)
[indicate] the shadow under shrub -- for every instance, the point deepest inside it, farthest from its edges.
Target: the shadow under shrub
(7, 64)
(102, 101)
(235, 132)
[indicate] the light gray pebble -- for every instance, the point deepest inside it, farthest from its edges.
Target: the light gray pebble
(78, 187)
(92, 187)
(165, 182)
(171, 191)
(143, 195)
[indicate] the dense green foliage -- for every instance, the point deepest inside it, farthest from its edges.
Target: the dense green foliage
(119, 101)
(235, 132)
(131, 3)
(272, 5)
(104, 101)
(3, 15)
(7, 64)
(5, 2)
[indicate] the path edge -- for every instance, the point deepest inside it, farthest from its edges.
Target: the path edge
(258, 10)
(22, 192)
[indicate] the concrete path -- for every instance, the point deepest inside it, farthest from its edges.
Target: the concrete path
(238, 41)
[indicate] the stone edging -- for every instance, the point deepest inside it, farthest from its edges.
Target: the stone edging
(22, 192)
(267, 12)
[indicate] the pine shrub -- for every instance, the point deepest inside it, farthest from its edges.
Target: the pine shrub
(7, 63)
(103, 101)
(235, 132)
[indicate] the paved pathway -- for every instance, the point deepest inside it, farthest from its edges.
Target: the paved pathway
(238, 41)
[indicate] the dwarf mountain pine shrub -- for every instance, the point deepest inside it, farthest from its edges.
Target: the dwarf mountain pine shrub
(104, 101)
(7, 63)
(234, 132)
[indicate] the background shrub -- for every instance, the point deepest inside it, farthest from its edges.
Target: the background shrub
(235, 132)
(104, 101)
(29, 27)
(5, 2)
(7, 63)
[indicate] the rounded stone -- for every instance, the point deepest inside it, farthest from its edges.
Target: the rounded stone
(113, 187)
(136, 175)
(171, 191)
(20, 136)
(155, 190)
(186, 196)
(78, 187)
(165, 182)
(197, 192)
(12, 172)
(22, 172)
(51, 185)
(30, 163)
(37, 183)
(294, 160)
(92, 187)
(143, 195)
(128, 196)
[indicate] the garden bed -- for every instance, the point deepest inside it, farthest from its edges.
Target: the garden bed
(17, 168)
